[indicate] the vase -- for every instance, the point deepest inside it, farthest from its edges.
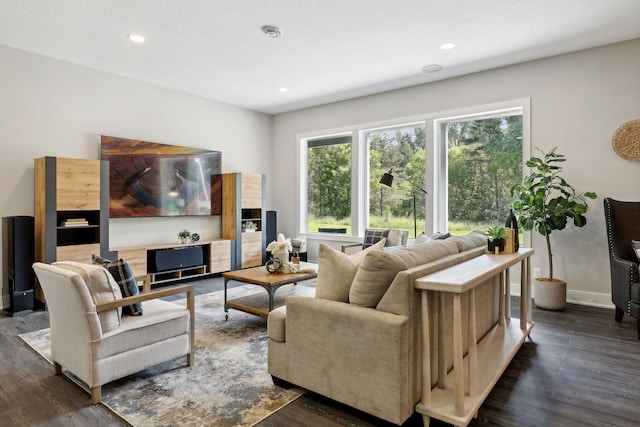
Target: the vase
(512, 222)
(283, 255)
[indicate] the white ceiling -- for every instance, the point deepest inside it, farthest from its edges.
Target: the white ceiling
(330, 50)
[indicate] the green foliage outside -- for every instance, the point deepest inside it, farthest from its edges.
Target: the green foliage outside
(484, 162)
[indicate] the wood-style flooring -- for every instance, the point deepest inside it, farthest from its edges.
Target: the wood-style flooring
(580, 368)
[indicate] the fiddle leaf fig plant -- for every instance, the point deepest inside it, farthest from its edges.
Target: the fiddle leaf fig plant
(545, 201)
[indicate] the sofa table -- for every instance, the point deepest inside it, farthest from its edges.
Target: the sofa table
(261, 304)
(486, 360)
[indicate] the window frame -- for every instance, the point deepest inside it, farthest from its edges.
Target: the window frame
(435, 162)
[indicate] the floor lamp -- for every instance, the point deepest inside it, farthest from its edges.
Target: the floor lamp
(387, 179)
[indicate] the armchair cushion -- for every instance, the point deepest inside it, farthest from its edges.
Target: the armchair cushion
(125, 279)
(102, 288)
(336, 271)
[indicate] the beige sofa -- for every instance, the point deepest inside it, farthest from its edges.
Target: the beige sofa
(358, 341)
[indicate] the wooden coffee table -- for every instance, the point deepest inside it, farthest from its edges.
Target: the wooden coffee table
(261, 304)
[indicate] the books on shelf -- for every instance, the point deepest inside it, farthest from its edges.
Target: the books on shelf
(75, 222)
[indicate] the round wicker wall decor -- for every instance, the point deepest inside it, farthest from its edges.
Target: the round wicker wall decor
(626, 141)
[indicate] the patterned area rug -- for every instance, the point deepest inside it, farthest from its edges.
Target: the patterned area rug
(227, 386)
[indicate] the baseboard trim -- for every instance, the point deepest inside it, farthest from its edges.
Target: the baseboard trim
(576, 297)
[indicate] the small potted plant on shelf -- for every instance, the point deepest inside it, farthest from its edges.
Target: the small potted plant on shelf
(497, 238)
(184, 236)
(249, 227)
(545, 202)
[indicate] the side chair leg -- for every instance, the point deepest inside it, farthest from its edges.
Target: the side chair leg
(96, 394)
(619, 314)
(57, 368)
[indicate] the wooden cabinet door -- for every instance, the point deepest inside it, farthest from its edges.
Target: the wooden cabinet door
(77, 184)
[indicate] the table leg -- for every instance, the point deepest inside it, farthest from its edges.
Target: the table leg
(226, 309)
(458, 366)
(473, 348)
(507, 295)
(442, 361)
(426, 350)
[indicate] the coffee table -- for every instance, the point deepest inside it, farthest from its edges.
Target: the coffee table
(261, 304)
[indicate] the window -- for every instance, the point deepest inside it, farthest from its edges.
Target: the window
(402, 150)
(483, 154)
(467, 161)
(329, 184)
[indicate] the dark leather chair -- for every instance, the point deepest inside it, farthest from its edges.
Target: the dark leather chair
(623, 225)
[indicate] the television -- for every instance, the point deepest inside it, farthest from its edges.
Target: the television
(147, 179)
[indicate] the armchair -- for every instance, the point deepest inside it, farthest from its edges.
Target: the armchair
(394, 237)
(623, 225)
(94, 341)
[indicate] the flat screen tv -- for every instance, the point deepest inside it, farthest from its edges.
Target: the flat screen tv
(150, 179)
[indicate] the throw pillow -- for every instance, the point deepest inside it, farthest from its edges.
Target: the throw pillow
(123, 276)
(336, 271)
(373, 236)
(636, 248)
(380, 268)
(102, 288)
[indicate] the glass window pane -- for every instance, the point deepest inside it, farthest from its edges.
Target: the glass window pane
(484, 161)
(400, 149)
(329, 185)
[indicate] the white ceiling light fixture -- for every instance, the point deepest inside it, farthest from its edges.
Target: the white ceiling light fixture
(432, 68)
(447, 46)
(271, 31)
(137, 38)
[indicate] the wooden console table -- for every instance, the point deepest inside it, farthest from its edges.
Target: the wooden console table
(486, 360)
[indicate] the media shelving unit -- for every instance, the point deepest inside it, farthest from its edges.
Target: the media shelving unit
(216, 258)
(243, 200)
(67, 190)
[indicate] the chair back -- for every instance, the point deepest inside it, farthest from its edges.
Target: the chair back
(623, 224)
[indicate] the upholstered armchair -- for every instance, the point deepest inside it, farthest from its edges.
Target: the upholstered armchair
(91, 338)
(623, 225)
(394, 237)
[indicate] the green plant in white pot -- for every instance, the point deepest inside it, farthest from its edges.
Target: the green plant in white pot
(545, 202)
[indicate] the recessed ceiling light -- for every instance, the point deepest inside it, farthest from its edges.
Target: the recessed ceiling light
(271, 31)
(283, 89)
(136, 38)
(447, 46)
(433, 68)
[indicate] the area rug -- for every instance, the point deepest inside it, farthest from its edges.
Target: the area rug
(228, 385)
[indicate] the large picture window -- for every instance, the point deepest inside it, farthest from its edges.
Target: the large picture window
(467, 163)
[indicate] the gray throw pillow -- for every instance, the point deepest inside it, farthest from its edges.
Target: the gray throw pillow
(636, 247)
(373, 236)
(125, 279)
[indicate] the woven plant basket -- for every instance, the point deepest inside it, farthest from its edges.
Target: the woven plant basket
(626, 141)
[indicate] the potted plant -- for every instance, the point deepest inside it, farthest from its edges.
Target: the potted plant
(184, 236)
(544, 201)
(497, 238)
(249, 226)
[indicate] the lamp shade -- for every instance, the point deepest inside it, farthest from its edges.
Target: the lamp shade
(387, 179)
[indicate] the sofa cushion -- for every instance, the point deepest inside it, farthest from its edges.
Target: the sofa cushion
(336, 271)
(102, 287)
(469, 241)
(379, 269)
(125, 279)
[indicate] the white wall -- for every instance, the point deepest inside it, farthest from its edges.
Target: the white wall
(578, 100)
(54, 108)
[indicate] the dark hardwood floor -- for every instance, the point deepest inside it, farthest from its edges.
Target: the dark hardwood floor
(580, 368)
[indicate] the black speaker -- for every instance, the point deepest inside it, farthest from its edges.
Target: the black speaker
(272, 226)
(174, 258)
(18, 251)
